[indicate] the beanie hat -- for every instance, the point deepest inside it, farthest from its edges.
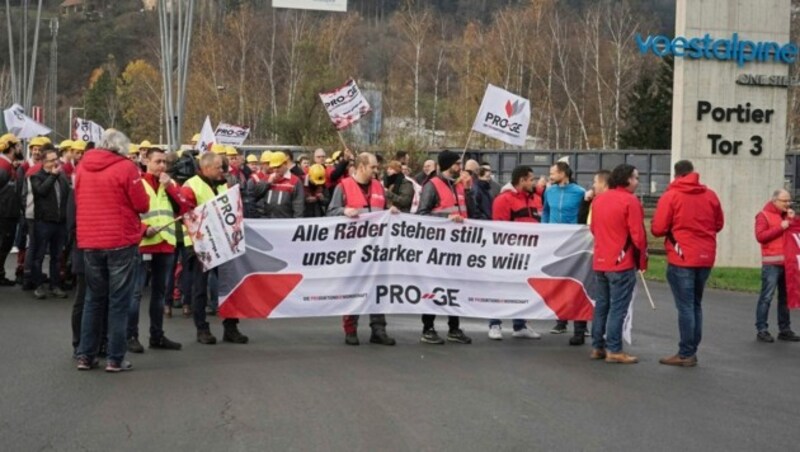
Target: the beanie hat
(447, 158)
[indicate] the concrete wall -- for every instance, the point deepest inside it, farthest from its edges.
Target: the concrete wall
(744, 182)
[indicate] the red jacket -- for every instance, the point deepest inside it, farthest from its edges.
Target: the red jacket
(769, 234)
(109, 197)
(689, 217)
(620, 240)
(512, 205)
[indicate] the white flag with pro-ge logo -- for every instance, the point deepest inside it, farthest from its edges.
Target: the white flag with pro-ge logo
(504, 116)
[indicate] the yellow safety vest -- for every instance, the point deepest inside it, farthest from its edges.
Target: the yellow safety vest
(202, 194)
(159, 215)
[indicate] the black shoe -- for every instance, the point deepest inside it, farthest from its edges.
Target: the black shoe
(380, 337)
(788, 336)
(211, 311)
(27, 286)
(351, 339)
(458, 336)
(560, 328)
(764, 336)
(164, 343)
(205, 337)
(234, 336)
(431, 337)
(134, 346)
(577, 340)
(6, 282)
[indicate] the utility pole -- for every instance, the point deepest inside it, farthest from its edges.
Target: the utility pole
(175, 29)
(52, 78)
(23, 64)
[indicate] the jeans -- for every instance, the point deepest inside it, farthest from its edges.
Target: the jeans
(28, 241)
(687, 286)
(110, 282)
(213, 289)
(47, 236)
(160, 266)
(519, 324)
(614, 294)
(427, 322)
(200, 298)
(772, 277)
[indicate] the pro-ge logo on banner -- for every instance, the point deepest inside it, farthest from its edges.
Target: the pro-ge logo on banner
(504, 116)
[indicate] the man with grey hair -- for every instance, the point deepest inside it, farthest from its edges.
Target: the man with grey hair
(109, 197)
(771, 222)
(428, 171)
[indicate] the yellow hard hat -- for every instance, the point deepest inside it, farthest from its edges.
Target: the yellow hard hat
(218, 149)
(66, 144)
(316, 174)
(231, 151)
(335, 156)
(133, 148)
(265, 156)
(251, 159)
(146, 144)
(277, 159)
(196, 137)
(329, 161)
(38, 141)
(180, 153)
(9, 138)
(78, 145)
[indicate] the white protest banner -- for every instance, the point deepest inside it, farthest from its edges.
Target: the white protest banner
(21, 125)
(319, 5)
(504, 116)
(87, 130)
(345, 104)
(408, 264)
(231, 134)
(216, 229)
(207, 138)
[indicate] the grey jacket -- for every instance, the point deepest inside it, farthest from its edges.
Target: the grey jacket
(284, 198)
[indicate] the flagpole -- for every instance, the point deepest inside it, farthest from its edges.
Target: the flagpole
(647, 290)
(341, 139)
(469, 137)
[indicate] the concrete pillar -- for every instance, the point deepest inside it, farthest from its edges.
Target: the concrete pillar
(744, 181)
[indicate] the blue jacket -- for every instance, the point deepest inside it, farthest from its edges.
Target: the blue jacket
(561, 203)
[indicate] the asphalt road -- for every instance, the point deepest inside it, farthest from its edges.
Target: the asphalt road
(296, 386)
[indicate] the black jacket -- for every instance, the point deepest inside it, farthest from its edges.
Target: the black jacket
(47, 204)
(9, 195)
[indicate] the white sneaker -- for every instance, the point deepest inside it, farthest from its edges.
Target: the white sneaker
(526, 333)
(496, 333)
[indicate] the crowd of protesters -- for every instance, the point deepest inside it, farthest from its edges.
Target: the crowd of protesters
(105, 214)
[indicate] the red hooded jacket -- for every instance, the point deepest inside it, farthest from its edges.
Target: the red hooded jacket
(689, 216)
(512, 205)
(620, 240)
(109, 197)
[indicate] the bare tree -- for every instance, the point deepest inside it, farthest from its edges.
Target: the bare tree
(560, 35)
(622, 26)
(414, 24)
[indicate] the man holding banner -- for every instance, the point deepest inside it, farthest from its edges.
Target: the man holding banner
(157, 250)
(620, 247)
(198, 190)
(356, 195)
(771, 223)
(444, 197)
